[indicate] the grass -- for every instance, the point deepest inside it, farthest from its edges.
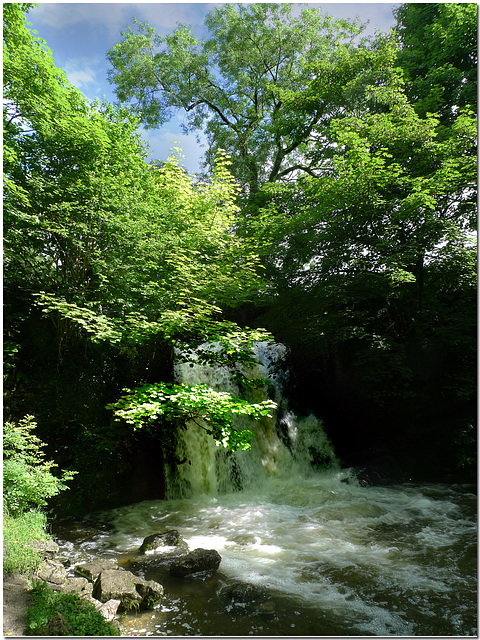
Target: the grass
(18, 531)
(80, 616)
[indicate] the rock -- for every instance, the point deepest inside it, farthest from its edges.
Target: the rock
(91, 570)
(156, 541)
(109, 609)
(245, 593)
(132, 591)
(46, 549)
(56, 626)
(78, 585)
(196, 561)
(52, 572)
(150, 591)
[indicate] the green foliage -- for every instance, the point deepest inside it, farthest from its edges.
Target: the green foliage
(18, 532)
(80, 615)
(230, 84)
(27, 476)
(173, 404)
(439, 55)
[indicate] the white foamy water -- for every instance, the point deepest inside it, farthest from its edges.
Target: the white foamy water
(395, 560)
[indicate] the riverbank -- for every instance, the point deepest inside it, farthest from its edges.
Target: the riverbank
(16, 598)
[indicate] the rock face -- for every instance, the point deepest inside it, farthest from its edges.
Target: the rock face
(196, 561)
(157, 541)
(132, 591)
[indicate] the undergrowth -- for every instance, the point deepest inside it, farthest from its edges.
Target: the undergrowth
(18, 532)
(81, 618)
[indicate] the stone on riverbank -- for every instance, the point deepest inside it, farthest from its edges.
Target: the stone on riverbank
(132, 591)
(51, 572)
(91, 570)
(195, 562)
(46, 549)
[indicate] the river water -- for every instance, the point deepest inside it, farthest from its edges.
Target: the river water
(307, 549)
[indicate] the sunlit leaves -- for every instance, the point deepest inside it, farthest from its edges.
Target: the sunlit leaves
(213, 411)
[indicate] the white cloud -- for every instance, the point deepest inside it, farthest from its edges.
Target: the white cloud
(81, 78)
(113, 17)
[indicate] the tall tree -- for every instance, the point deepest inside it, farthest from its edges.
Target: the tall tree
(109, 262)
(230, 84)
(370, 261)
(439, 55)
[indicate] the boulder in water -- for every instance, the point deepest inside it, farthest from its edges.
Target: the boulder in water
(195, 562)
(158, 541)
(132, 591)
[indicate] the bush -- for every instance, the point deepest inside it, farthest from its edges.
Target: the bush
(27, 478)
(17, 533)
(80, 616)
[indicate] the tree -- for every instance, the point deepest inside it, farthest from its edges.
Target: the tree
(439, 55)
(231, 84)
(110, 263)
(365, 259)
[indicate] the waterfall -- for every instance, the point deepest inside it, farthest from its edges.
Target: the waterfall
(283, 443)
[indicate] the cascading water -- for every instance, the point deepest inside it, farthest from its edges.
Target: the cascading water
(281, 444)
(306, 549)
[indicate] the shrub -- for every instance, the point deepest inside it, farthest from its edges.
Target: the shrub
(27, 476)
(80, 616)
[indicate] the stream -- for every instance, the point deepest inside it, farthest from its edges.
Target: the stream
(307, 549)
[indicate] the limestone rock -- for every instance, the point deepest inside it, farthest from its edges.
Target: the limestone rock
(91, 570)
(196, 561)
(109, 609)
(46, 549)
(78, 585)
(132, 591)
(158, 541)
(52, 572)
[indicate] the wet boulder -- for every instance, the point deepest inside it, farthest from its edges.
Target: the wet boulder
(132, 591)
(196, 561)
(158, 541)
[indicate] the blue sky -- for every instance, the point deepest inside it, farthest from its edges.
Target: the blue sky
(80, 34)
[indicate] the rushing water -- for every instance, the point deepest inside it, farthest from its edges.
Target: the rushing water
(305, 551)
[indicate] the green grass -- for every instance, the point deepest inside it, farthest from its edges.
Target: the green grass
(80, 616)
(17, 532)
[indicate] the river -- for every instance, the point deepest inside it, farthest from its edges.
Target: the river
(307, 550)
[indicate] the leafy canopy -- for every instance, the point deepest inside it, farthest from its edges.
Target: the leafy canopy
(230, 83)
